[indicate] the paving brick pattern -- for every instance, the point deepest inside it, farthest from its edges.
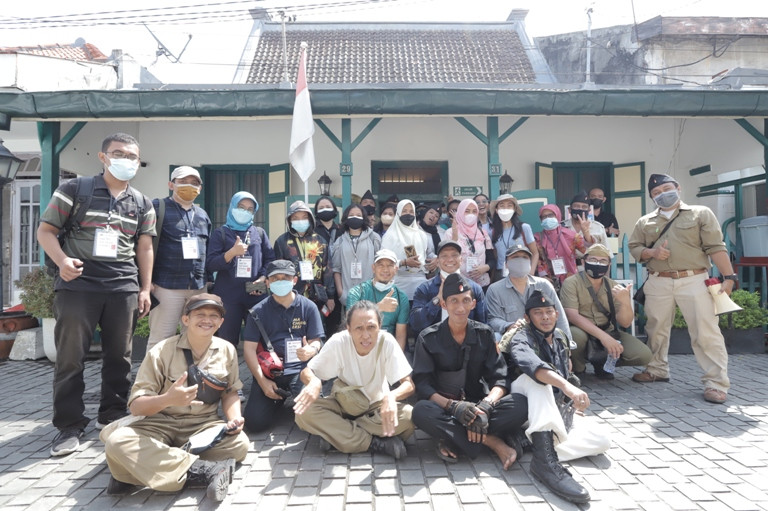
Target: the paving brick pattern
(671, 451)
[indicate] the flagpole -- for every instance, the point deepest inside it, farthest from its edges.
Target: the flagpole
(306, 193)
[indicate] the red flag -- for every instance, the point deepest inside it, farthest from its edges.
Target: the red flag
(302, 151)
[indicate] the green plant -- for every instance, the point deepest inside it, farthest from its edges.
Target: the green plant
(37, 293)
(753, 315)
(142, 327)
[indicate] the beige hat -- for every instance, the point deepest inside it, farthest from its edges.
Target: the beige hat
(185, 171)
(599, 250)
(506, 196)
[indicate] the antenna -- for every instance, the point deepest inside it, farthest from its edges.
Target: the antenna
(163, 49)
(588, 75)
(283, 19)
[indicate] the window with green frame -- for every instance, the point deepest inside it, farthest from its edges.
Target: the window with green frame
(419, 181)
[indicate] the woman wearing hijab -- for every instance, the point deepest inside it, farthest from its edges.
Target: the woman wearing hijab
(353, 251)
(508, 230)
(557, 247)
(239, 252)
(428, 222)
(413, 248)
(386, 217)
(477, 254)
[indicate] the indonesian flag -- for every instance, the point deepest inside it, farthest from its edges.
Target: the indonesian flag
(302, 151)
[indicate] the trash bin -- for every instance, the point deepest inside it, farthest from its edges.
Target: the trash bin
(754, 236)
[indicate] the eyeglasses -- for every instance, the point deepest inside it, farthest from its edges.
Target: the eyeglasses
(120, 155)
(482, 202)
(249, 210)
(595, 260)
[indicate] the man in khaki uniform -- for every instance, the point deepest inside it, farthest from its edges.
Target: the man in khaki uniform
(678, 263)
(146, 449)
(586, 311)
(362, 413)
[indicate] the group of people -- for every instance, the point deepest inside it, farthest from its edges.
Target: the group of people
(505, 322)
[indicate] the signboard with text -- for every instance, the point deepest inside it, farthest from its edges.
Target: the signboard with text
(466, 191)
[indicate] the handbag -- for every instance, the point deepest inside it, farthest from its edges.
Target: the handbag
(269, 361)
(639, 295)
(595, 351)
(209, 388)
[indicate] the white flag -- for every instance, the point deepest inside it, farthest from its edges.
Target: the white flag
(302, 151)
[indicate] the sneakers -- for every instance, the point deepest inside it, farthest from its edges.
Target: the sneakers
(602, 374)
(241, 396)
(103, 422)
(115, 487)
(66, 442)
(392, 445)
(323, 444)
(215, 475)
(714, 396)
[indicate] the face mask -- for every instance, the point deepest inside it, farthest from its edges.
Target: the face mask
(444, 218)
(355, 222)
(123, 168)
(595, 270)
(407, 219)
(505, 214)
(519, 266)
(549, 224)
(281, 287)
(581, 213)
(470, 219)
(326, 214)
(369, 210)
(387, 219)
(596, 203)
(242, 216)
(300, 226)
(667, 199)
(186, 192)
(384, 286)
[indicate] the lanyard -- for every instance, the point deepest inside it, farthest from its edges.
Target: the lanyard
(556, 247)
(188, 222)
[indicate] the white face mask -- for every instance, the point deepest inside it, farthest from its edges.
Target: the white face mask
(384, 286)
(519, 267)
(505, 214)
(470, 219)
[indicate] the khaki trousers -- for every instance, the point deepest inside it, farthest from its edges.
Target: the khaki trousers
(147, 452)
(697, 306)
(166, 317)
(635, 353)
(324, 418)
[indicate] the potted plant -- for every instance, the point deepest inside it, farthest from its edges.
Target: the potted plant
(743, 330)
(140, 337)
(37, 297)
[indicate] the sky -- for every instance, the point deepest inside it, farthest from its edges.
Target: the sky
(218, 40)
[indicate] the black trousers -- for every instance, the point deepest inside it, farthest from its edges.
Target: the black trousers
(259, 413)
(510, 413)
(77, 314)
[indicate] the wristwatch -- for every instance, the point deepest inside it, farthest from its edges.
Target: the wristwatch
(734, 277)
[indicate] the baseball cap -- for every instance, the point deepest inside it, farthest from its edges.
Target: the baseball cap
(203, 300)
(385, 253)
(281, 266)
(185, 171)
(514, 249)
(448, 243)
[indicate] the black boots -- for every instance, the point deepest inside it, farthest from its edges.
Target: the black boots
(392, 445)
(546, 467)
(215, 475)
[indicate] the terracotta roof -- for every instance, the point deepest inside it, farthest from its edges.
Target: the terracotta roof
(395, 53)
(86, 52)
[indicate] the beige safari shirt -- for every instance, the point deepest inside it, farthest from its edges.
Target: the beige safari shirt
(165, 363)
(693, 237)
(574, 294)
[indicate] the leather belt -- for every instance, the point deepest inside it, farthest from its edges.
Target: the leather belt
(679, 274)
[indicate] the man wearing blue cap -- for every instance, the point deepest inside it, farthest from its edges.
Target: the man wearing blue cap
(678, 244)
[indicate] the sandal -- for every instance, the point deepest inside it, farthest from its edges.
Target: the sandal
(443, 447)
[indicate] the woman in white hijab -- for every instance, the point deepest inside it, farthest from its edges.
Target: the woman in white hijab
(414, 249)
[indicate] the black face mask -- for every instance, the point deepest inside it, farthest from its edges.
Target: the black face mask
(407, 219)
(370, 210)
(326, 216)
(355, 223)
(596, 271)
(596, 203)
(581, 213)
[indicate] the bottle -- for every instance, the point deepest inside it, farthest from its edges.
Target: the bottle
(610, 363)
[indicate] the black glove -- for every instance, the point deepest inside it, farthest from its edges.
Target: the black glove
(467, 415)
(486, 407)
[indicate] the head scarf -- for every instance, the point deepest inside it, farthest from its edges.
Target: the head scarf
(399, 236)
(469, 234)
(236, 198)
(559, 241)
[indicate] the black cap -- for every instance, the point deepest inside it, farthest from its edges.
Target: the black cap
(658, 180)
(580, 197)
(455, 284)
(519, 247)
(537, 299)
(281, 266)
(367, 195)
(203, 300)
(448, 243)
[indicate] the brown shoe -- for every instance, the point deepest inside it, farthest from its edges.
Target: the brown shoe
(646, 377)
(714, 395)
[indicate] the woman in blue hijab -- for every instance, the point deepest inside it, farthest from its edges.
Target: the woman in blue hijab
(239, 252)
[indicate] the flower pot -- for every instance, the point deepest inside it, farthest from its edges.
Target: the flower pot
(6, 344)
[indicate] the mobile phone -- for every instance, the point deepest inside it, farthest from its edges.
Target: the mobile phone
(410, 251)
(259, 287)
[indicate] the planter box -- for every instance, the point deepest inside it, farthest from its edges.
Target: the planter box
(139, 348)
(736, 341)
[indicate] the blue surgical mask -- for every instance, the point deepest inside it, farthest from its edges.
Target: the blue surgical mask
(242, 216)
(300, 226)
(123, 168)
(384, 286)
(549, 223)
(281, 287)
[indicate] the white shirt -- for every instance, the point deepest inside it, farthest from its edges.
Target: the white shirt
(339, 359)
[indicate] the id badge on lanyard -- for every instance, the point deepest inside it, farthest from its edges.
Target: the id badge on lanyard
(190, 248)
(558, 266)
(305, 270)
(291, 346)
(244, 267)
(357, 270)
(105, 243)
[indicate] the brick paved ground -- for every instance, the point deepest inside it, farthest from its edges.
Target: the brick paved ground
(671, 451)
